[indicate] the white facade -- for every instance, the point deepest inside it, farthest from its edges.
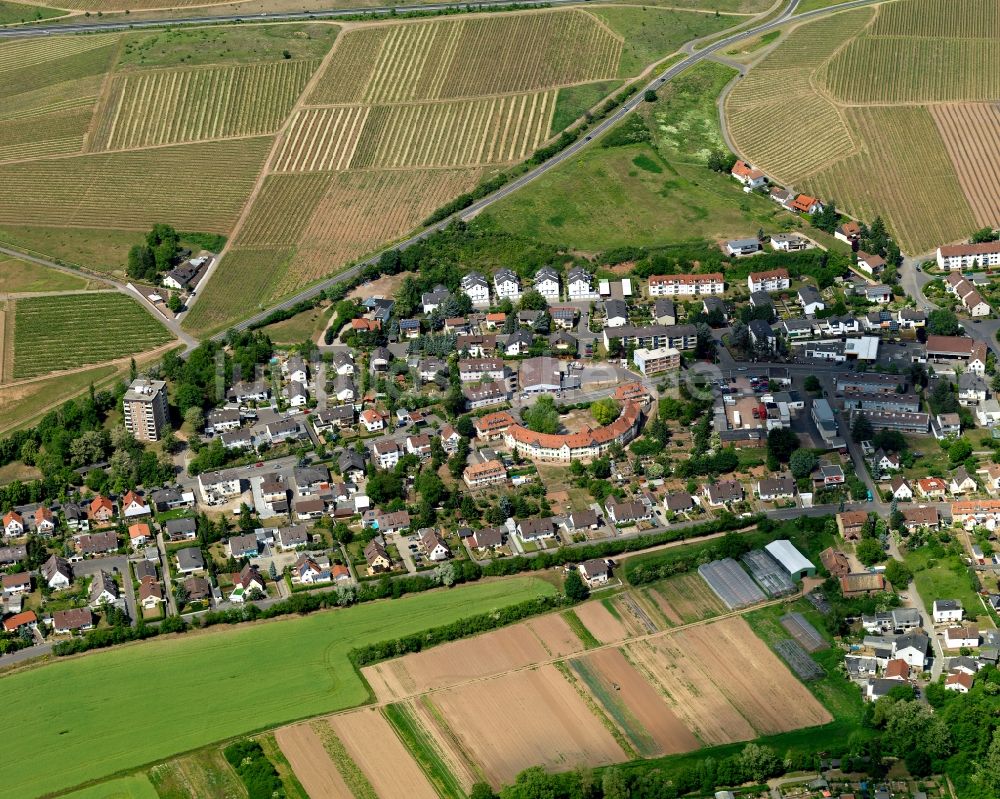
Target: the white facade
(507, 285)
(475, 287)
(546, 283)
(967, 256)
(947, 611)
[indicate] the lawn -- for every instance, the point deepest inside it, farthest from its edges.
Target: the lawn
(573, 102)
(136, 786)
(634, 197)
(67, 331)
(12, 13)
(302, 326)
(204, 687)
(101, 250)
(21, 404)
(18, 276)
(940, 574)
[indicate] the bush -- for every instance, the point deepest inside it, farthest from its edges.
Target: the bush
(257, 772)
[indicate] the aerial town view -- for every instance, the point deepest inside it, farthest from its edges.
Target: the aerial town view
(522, 399)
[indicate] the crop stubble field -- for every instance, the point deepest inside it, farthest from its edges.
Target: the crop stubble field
(527, 694)
(402, 118)
(893, 112)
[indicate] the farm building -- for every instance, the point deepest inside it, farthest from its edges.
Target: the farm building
(731, 583)
(768, 573)
(791, 560)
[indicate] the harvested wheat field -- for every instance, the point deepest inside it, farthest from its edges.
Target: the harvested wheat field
(555, 635)
(725, 683)
(971, 135)
(485, 655)
(527, 718)
(637, 707)
(598, 619)
(374, 747)
(310, 762)
(685, 599)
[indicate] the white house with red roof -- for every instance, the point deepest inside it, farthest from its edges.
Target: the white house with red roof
(748, 175)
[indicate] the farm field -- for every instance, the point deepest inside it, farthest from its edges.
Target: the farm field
(25, 276)
(304, 749)
(872, 130)
(102, 250)
(135, 787)
(604, 625)
(68, 331)
(318, 679)
(21, 403)
(305, 325)
(685, 599)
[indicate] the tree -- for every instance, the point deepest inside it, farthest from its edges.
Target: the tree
(942, 322)
(531, 300)
(721, 161)
(781, 443)
(614, 784)
(959, 451)
(649, 96)
(812, 383)
(861, 428)
(604, 411)
(175, 304)
(574, 587)
(482, 790)
(759, 762)
(542, 417)
(898, 573)
(194, 418)
(870, 552)
(801, 462)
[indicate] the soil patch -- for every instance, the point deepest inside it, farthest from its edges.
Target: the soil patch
(310, 762)
(598, 619)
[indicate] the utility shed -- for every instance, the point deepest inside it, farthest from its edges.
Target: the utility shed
(791, 560)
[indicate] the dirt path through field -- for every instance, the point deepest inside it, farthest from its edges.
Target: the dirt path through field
(310, 762)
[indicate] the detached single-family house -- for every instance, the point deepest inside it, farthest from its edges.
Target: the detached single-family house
(101, 509)
(139, 535)
(901, 489)
(45, 521)
(748, 175)
(13, 524)
(150, 593)
(57, 573)
(946, 611)
(377, 557)
(595, 572)
(959, 682)
(723, 492)
(74, 620)
(433, 545)
(810, 300)
(190, 560)
(103, 590)
(133, 505)
(966, 635)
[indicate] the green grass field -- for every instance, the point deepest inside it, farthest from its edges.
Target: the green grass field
(204, 774)
(615, 707)
(205, 687)
(573, 102)
(23, 276)
(302, 326)
(941, 574)
(103, 250)
(21, 404)
(12, 13)
(135, 787)
(580, 630)
(634, 197)
(66, 331)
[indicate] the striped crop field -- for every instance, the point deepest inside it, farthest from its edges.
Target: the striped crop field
(321, 139)
(193, 187)
(283, 209)
(71, 330)
(971, 135)
(54, 133)
(173, 106)
(468, 57)
(489, 130)
(939, 19)
(23, 53)
(255, 271)
(902, 173)
(105, 6)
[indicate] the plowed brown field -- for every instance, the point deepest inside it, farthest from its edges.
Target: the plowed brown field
(598, 619)
(555, 635)
(310, 762)
(526, 718)
(374, 747)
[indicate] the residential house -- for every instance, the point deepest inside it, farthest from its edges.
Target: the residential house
(182, 529)
(433, 545)
(962, 483)
(507, 285)
(615, 313)
(101, 510)
(848, 232)
(248, 582)
(742, 247)
(959, 682)
(26, 619)
(595, 572)
(534, 529)
(920, 518)
(946, 611)
(686, 285)
(434, 299)
(293, 537)
(678, 502)
(190, 560)
(139, 535)
(490, 472)
(912, 648)
(772, 489)
(932, 488)
(546, 283)
(296, 394)
(810, 300)
(13, 524)
(625, 513)
(282, 430)
(343, 389)
(748, 175)
(762, 336)
(518, 343)
(966, 635)
(309, 507)
(851, 524)
(296, 371)
(476, 288)
(133, 505)
(71, 621)
(103, 590)
(870, 264)
(150, 593)
(769, 280)
(386, 454)
(488, 539)
(15, 584)
(351, 465)
(377, 557)
(372, 420)
(419, 445)
(76, 516)
(587, 519)
(804, 204)
(197, 589)
(244, 546)
(723, 492)
(219, 487)
(96, 543)
(579, 285)
(836, 563)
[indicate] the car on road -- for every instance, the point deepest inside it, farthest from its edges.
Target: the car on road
(258, 464)
(917, 268)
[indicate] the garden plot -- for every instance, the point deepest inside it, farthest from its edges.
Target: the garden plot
(67, 331)
(798, 659)
(731, 583)
(526, 718)
(309, 760)
(801, 629)
(634, 704)
(635, 615)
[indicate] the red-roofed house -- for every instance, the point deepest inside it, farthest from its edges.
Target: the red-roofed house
(101, 509)
(26, 619)
(139, 534)
(748, 175)
(804, 204)
(13, 524)
(45, 521)
(134, 505)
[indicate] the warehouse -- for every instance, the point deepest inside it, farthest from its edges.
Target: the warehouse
(791, 560)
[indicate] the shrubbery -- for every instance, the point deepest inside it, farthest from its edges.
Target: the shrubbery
(257, 772)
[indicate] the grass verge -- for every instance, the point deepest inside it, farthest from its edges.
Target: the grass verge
(413, 736)
(581, 631)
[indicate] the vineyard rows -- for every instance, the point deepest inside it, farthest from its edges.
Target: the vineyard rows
(58, 97)
(971, 135)
(820, 133)
(255, 271)
(172, 106)
(22, 53)
(18, 81)
(449, 58)
(888, 70)
(321, 138)
(363, 210)
(58, 133)
(904, 174)
(63, 332)
(810, 44)
(939, 19)
(282, 210)
(193, 187)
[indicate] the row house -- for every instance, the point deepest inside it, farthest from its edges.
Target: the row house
(971, 299)
(958, 257)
